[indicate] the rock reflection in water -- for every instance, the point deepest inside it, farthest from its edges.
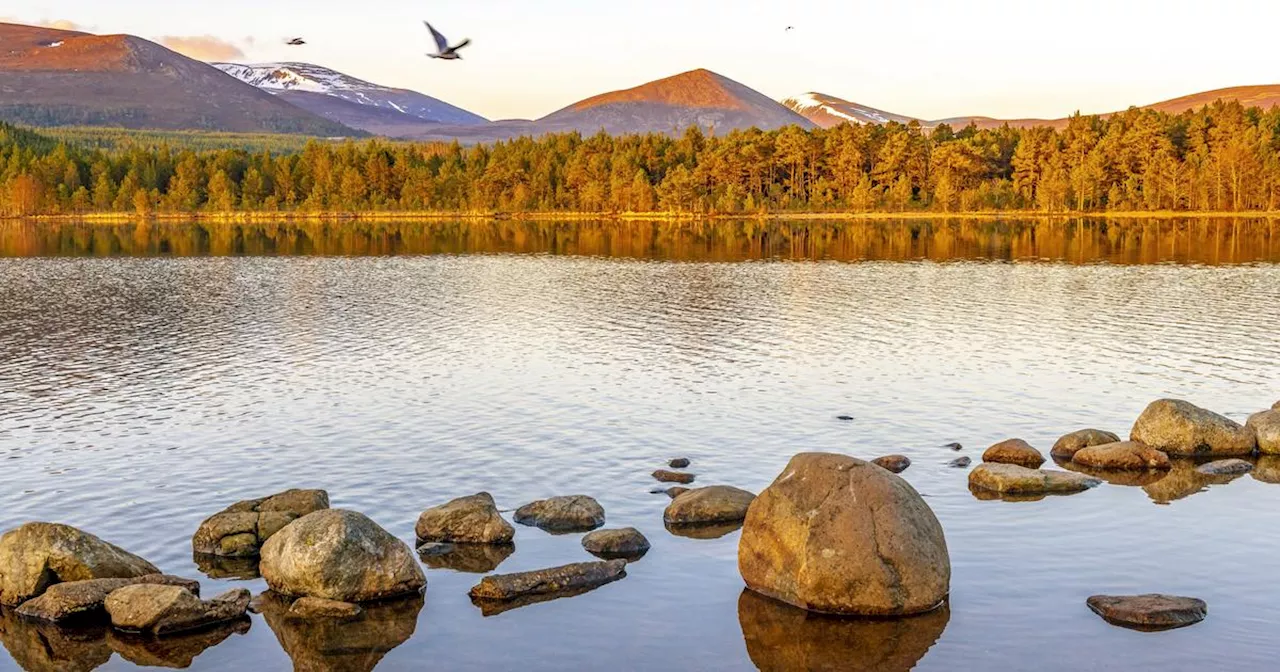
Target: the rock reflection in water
(1184, 481)
(1267, 470)
(490, 607)
(1129, 478)
(219, 567)
(469, 558)
(38, 646)
(703, 530)
(334, 645)
(781, 638)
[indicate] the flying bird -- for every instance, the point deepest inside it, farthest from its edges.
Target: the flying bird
(791, 28)
(443, 50)
(296, 42)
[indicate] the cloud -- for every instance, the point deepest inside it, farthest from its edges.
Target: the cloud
(203, 47)
(60, 24)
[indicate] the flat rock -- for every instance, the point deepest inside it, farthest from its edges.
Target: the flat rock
(713, 504)
(1123, 455)
(679, 463)
(954, 446)
(471, 520)
(74, 599)
(960, 463)
(1181, 428)
(1266, 426)
(838, 535)
(468, 558)
(624, 543)
(339, 555)
(895, 463)
(1066, 447)
(674, 476)
(35, 556)
(315, 607)
(161, 609)
(1015, 480)
(575, 513)
(1149, 612)
(546, 581)
(1230, 467)
(240, 529)
(1014, 451)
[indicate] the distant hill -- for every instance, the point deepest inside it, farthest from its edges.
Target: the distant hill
(59, 78)
(351, 101)
(828, 111)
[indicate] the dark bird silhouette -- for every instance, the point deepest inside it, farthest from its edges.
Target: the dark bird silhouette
(443, 50)
(791, 27)
(296, 42)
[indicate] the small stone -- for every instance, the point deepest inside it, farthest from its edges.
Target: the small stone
(554, 580)
(845, 418)
(64, 601)
(960, 463)
(625, 543)
(1122, 455)
(675, 491)
(1149, 612)
(1014, 451)
(575, 513)
(472, 520)
(1230, 467)
(1180, 428)
(895, 463)
(1067, 446)
(953, 446)
(673, 476)
(1266, 426)
(679, 463)
(714, 504)
(1015, 480)
(315, 607)
(160, 610)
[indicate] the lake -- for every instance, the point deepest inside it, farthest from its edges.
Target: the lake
(151, 375)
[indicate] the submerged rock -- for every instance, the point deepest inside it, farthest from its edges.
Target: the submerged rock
(1123, 477)
(315, 607)
(469, 558)
(74, 599)
(1122, 455)
(960, 463)
(675, 491)
(1232, 467)
(160, 610)
(339, 555)
(1149, 612)
(1070, 444)
(1266, 426)
(472, 520)
(783, 638)
(347, 645)
(575, 513)
(895, 463)
(674, 476)
(838, 535)
(240, 529)
(679, 463)
(1014, 451)
(954, 446)
(626, 543)
(1015, 480)
(713, 504)
(1181, 428)
(582, 575)
(38, 555)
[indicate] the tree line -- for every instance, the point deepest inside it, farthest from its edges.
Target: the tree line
(1224, 157)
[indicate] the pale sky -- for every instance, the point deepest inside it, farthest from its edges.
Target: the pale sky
(924, 58)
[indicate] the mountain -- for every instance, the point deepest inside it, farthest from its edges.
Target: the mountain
(1266, 97)
(351, 101)
(827, 111)
(56, 78)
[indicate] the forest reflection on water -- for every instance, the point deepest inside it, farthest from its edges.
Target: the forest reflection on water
(1198, 241)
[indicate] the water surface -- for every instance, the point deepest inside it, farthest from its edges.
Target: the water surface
(145, 385)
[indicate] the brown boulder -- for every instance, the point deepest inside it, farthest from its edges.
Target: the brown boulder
(1180, 428)
(1014, 480)
(159, 609)
(1067, 446)
(339, 555)
(1266, 426)
(1122, 455)
(1014, 451)
(471, 520)
(38, 555)
(626, 543)
(674, 477)
(713, 504)
(549, 581)
(575, 513)
(72, 599)
(838, 535)
(895, 463)
(240, 529)
(1149, 612)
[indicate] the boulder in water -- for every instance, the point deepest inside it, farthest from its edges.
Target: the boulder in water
(1122, 455)
(1014, 451)
(713, 504)
(1067, 446)
(35, 556)
(1149, 612)
(960, 463)
(240, 529)
(895, 463)
(470, 520)
(1181, 428)
(75, 599)
(1266, 426)
(575, 513)
(674, 476)
(160, 609)
(1014, 480)
(626, 543)
(549, 581)
(679, 463)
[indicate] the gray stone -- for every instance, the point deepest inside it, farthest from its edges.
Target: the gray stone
(960, 463)
(679, 463)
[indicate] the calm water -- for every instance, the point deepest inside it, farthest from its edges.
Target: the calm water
(149, 376)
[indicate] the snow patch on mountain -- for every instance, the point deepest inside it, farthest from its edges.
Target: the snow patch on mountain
(814, 105)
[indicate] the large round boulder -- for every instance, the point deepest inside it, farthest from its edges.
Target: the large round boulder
(239, 530)
(838, 535)
(339, 555)
(38, 555)
(1266, 426)
(1014, 451)
(1181, 428)
(1070, 444)
(712, 504)
(1127, 455)
(466, 520)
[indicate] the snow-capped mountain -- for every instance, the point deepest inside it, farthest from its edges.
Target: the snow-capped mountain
(828, 111)
(286, 78)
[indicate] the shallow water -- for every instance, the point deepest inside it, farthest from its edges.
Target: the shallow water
(142, 390)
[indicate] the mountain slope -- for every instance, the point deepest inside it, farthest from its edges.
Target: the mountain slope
(828, 111)
(304, 84)
(55, 77)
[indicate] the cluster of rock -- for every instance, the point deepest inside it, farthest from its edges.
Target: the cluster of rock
(241, 529)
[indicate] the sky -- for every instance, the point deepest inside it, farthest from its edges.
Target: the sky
(923, 58)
